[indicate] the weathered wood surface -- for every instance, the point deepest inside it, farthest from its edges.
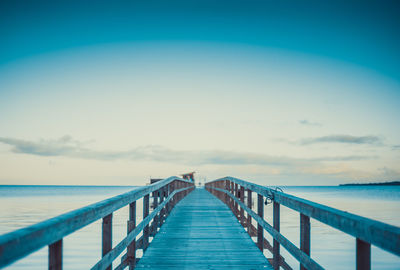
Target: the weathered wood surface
(121, 246)
(305, 235)
(371, 231)
(55, 255)
(202, 233)
(45, 233)
(290, 247)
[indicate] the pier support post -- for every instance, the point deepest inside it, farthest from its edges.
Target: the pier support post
(162, 212)
(363, 250)
(107, 236)
(260, 230)
(231, 202)
(156, 218)
(55, 255)
(236, 212)
(242, 220)
(167, 191)
(249, 204)
(146, 228)
(131, 252)
(226, 187)
(275, 248)
(304, 236)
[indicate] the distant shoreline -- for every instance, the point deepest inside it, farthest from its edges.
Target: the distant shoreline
(393, 183)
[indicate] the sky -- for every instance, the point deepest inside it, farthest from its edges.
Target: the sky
(273, 92)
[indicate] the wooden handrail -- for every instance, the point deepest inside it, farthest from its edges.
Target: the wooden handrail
(296, 252)
(366, 231)
(119, 248)
(20, 243)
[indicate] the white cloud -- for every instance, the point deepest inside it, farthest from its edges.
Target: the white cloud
(349, 139)
(309, 123)
(68, 147)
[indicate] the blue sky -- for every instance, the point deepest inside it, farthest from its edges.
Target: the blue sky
(279, 93)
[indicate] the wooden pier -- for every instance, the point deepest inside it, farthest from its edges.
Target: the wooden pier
(202, 233)
(188, 228)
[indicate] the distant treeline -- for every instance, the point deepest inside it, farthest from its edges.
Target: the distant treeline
(393, 183)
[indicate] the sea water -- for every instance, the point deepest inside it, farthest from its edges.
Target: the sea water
(21, 206)
(331, 248)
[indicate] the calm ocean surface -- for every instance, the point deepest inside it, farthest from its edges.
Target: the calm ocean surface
(21, 206)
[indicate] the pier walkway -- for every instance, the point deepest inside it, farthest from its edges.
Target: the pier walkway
(184, 227)
(202, 233)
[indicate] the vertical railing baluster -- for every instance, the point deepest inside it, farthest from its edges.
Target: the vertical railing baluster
(174, 197)
(156, 218)
(163, 210)
(168, 192)
(180, 193)
(177, 194)
(275, 252)
(260, 230)
(236, 204)
(363, 255)
(186, 191)
(107, 236)
(177, 183)
(221, 194)
(146, 228)
(226, 187)
(249, 205)
(232, 204)
(131, 252)
(304, 236)
(173, 187)
(241, 208)
(55, 255)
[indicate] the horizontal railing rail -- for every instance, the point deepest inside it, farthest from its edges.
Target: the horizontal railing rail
(366, 231)
(166, 193)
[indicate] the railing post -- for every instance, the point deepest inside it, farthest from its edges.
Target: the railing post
(236, 204)
(146, 228)
(178, 195)
(249, 204)
(55, 255)
(260, 230)
(304, 236)
(241, 208)
(226, 187)
(156, 218)
(168, 192)
(231, 201)
(363, 254)
(222, 186)
(164, 210)
(173, 200)
(131, 252)
(186, 192)
(276, 256)
(178, 186)
(107, 236)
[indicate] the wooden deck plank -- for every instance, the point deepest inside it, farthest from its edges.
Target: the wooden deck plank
(202, 233)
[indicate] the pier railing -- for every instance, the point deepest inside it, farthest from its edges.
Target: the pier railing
(366, 231)
(165, 193)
